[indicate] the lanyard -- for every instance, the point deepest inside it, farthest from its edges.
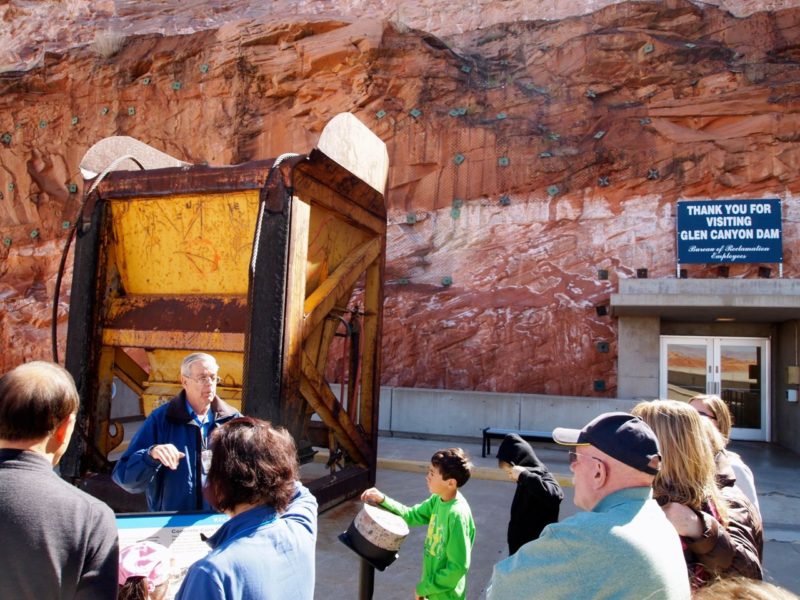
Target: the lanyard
(205, 426)
(203, 433)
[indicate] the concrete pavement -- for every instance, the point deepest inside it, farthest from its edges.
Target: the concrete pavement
(401, 474)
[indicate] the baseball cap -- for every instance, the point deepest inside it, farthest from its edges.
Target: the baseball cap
(620, 435)
(144, 559)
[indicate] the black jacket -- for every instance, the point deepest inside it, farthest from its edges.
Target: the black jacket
(538, 496)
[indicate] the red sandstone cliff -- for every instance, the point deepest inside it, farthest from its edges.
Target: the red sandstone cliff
(525, 154)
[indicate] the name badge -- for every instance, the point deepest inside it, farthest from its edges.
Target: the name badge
(205, 458)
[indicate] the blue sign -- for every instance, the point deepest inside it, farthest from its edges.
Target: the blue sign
(730, 231)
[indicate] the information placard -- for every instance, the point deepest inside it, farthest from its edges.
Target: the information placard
(729, 231)
(180, 532)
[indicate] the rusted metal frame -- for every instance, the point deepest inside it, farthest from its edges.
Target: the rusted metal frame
(339, 284)
(335, 290)
(311, 189)
(201, 313)
(343, 182)
(200, 179)
(317, 347)
(103, 440)
(82, 335)
(317, 393)
(331, 490)
(371, 354)
(328, 333)
(293, 407)
(320, 341)
(354, 359)
(174, 340)
(316, 343)
(349, 353)
(263, 338)
(129, 372)
(108, 288)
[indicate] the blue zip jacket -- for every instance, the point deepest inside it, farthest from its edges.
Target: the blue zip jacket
(259, 555)
(168, 490)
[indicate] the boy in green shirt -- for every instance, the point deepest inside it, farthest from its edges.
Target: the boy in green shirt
(451, 530)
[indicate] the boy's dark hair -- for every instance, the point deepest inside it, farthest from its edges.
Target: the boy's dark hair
(453, 463)
(35, 398)
(252, 463)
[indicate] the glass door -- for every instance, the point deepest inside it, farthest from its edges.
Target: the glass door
(733, 368)
(742, 384)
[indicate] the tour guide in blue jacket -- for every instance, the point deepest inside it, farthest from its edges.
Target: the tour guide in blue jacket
(165, 457)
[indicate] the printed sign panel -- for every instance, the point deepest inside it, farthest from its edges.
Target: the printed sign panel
(730, 231)
(180, 532)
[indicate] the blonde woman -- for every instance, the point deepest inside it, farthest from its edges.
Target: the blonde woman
(686, 489)
(717, 412)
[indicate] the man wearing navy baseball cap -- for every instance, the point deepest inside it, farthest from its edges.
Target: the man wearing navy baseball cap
(622, 546)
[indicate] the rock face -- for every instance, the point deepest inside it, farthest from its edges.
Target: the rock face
(527, 156)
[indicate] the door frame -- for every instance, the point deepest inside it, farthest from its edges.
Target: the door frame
(713, 346)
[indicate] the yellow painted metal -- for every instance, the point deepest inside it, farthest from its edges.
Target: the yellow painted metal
(337, 287)
(330, 241)
(212, 342)
(201, 243)
(189, 245)
(185, 244)
(164, 379)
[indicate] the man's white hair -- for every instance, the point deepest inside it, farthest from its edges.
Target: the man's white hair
(186, 365)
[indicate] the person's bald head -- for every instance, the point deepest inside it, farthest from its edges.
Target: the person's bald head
(34, 399)
(613, 451)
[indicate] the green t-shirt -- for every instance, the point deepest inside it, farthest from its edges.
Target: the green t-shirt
(448, 544)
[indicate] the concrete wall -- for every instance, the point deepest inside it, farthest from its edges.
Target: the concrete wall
(638, 357)
(454, 413)
(785, 414)
(736, 329)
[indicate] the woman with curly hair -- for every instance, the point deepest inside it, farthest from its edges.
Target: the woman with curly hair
(266, 550)
(686, 489)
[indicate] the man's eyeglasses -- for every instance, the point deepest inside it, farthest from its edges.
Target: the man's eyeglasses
(212, 379)
(573, 457)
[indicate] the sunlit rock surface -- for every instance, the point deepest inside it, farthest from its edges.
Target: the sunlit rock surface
(529, 150)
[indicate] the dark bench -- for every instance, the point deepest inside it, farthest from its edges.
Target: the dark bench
(499, 433)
